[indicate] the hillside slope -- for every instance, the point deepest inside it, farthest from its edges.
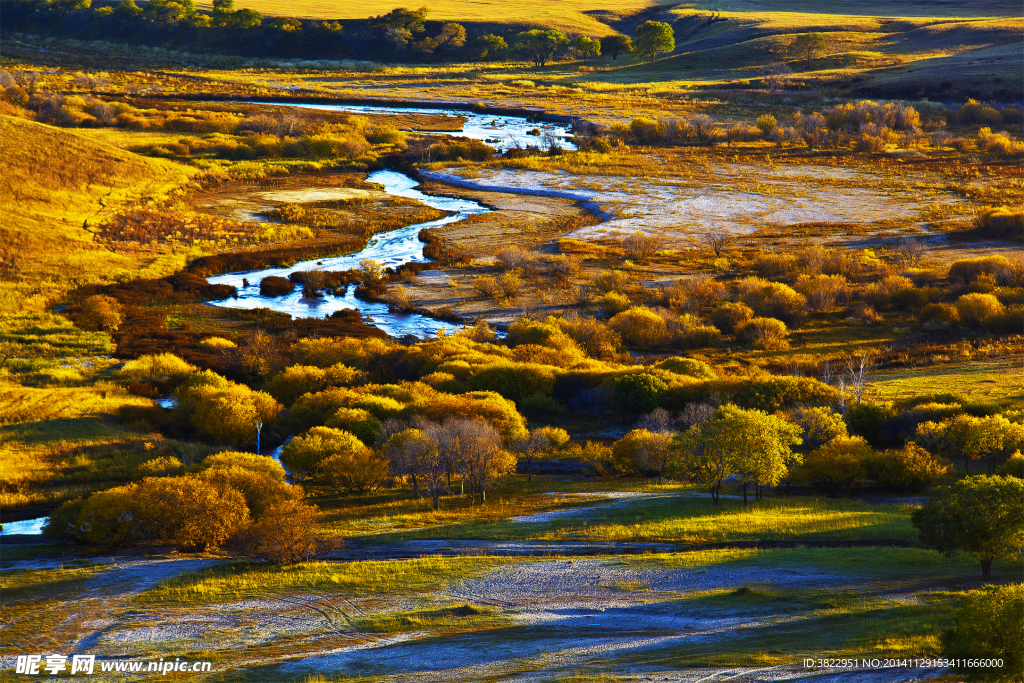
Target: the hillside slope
(55, 187)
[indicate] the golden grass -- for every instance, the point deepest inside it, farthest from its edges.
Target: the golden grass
(59, 442)
(977, 380)
(56, 186)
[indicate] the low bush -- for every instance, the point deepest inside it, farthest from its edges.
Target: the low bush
(305, 453)
(772, 299)
(909, 469)
(835, 467)
(159, 367)
(768, 334)
(730, 316)
(643, 453)
(276, 286)
(640, 327)
(638, 393)
(288, 533)
(989, 625)
(973, 309)
(614, 303)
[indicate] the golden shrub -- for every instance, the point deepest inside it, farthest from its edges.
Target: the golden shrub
(640, 327)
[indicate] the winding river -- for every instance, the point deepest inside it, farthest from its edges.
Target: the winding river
(390, 248)
(397, 246)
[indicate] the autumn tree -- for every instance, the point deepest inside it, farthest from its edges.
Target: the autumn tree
(358, 470)
(981, 515)
(416, 453)
(643, 452)
(288, 533)
(260, 479)
(223, 411)
(540, 440)
(654, 38)
(189, 512)
(474, 449)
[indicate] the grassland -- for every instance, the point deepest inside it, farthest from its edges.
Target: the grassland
(57, 187)
(786, 576)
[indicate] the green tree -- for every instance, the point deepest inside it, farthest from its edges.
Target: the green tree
(809, 45)
(540, 46)
(749, 443)
(490, 45)
(638, 393)
(654, 38)
(222, 11)
(820, 425)
(587, 47)
(246, 18)
(982, 515)
(616, 45)
(991, 438)
(128, 9)
(403, 18)
(989, 625)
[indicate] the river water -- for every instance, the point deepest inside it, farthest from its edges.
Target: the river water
(389, 248)
(397, 246)
(500, 132)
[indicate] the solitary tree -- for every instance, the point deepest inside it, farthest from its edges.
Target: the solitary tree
(654, 38)
(540, 46)
(809, 45)
(983, 516)
(616, 45)
(716, 240)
